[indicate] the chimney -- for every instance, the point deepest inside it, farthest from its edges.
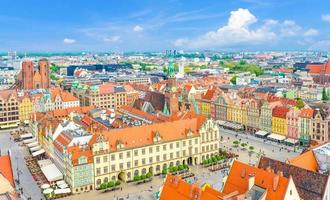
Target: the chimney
(251, 180)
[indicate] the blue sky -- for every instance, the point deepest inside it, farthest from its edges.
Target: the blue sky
(138, 25)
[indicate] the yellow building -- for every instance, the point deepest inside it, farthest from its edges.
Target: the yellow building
(279, 125)
(26, 108)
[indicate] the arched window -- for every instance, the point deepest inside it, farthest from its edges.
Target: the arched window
(98, 182)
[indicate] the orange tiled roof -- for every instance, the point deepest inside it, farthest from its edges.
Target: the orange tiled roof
(6, 169)
(317, 68)
(143, 135)
(238, 180)
(176, 188)
(62, 141)
(76, 152)
(306, 112)
(280, 111)
(306, 160)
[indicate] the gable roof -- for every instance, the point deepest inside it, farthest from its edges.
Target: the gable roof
(306, 160)
(318, 68)
(310, 185)
(238, 180)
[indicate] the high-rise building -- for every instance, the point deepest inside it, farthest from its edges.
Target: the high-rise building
(27, 75)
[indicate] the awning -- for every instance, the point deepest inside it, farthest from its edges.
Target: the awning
(29, 140)
(25, 136)
(291, 141)
(36, 148)
(52, 173)
(276, 137)
(32, 144)
(37, 153)
(221, 122)
(262, 133)
(62, 191)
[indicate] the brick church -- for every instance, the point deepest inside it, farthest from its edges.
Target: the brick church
(320, 72)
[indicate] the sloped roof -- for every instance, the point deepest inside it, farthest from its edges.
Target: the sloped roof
(306, 160)
(318, 68)
(6, 169)
(238, 180)
(280, 111)
(310, 185)
(76, 152)
(176, 188)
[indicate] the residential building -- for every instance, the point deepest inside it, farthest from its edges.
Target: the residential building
(292, 118)
(305, 125)
(253, 115)
(320, 125)
(9, 109)
(107, 95)
(279, 124)
(25, 108)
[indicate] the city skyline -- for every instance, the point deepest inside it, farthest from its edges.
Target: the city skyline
(242, 25)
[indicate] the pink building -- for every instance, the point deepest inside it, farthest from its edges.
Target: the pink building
(292, 123)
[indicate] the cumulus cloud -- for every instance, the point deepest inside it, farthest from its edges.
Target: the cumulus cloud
(236, 31)
(311, 32)
(326, 17)
(137, 28)
(113, 39)
(69, 41)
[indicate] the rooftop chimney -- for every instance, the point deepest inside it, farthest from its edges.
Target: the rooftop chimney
(251, 180)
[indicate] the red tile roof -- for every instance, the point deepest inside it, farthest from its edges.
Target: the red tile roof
(238, 180)
(280, 111)
(306, 112)
(176, 188)
(6, 169)
(318, 68)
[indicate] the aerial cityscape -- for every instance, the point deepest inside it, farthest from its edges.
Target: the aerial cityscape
(168, 100)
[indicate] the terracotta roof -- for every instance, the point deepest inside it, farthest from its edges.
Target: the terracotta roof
(310, 185)
(5, 94)
(6, 169)
(306, 160)
(143, 135)
(280, 111)
(62, 141)
(76, 152)
(318, 68)
(65, 96)
(238, 180)
(306, 112)
(209, 94)
(176, 188)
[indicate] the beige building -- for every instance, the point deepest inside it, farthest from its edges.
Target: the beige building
(9, 111)
(103, 96)
(122, 154)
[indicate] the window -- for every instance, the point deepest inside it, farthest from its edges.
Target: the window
(128, 164)
(177, 144)
(143, 151)
(98, 171)
(177, 154)
(105, 158)
(150, 160)
(136, 153)
(128, 154)
(121, 166)
(136, 163)
(97, 160)
(196, 149)
(184, 143)
(157, 148)
(113, 168)
(105, 169)
(171, 155)
(164, 157)
(150, 149)
(171, 146)
(113, 157)
(196, 141)
(121, 156)
(164, 147)
(157, 158)
(143, 161)
(190, 142)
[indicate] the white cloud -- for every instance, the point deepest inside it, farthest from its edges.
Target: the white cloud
(311, 32)
(69, 41)
(289, 28)
(326, 17)
(236, 31)
(115, 38)
(323, 45)
(137, 28)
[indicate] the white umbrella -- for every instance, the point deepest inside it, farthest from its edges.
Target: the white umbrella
(48, 191)
(45, 186)
(62, 186)
(61, 182)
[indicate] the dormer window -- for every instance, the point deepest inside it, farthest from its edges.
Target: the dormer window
(157, 137)
(120, 145)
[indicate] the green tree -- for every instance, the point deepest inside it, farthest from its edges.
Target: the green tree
(243, 145)
(233, 80)
(300, 103)
(324, 95)
(236, 143)
(251, 148)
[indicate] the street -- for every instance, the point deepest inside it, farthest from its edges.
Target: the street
(30, 187)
